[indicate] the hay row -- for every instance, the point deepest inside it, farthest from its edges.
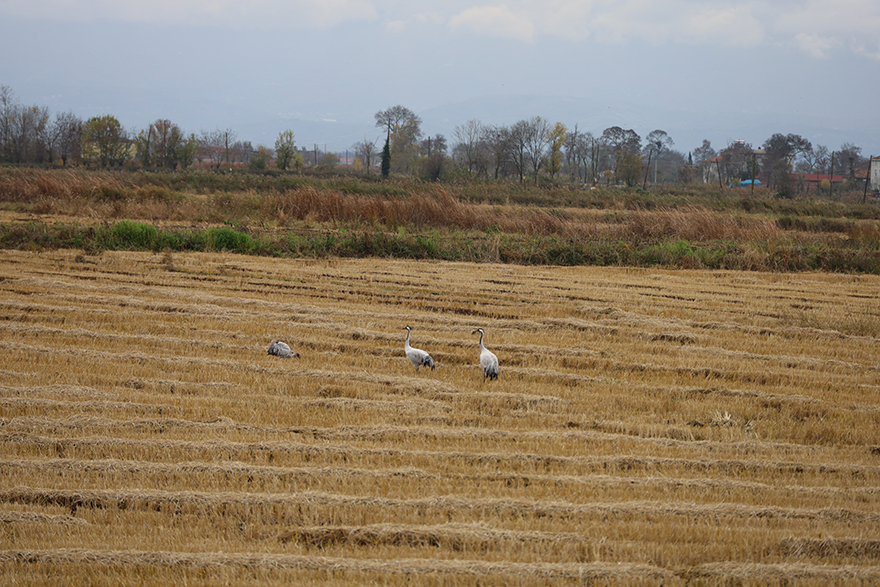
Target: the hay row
(394, 433)
(617, 462)
(341, 330)
(87, 405)
(176, 501)
(66, 390)
(417, 567)
(82, 421)
(411, 383)
(799, 361)
(828, 547)
(452, 536)
(39, 518)
(413, 567)
(199, 467)
(284, 473)
(617, 316)
(782, 572)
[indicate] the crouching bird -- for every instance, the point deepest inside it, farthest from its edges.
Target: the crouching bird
(280, 349)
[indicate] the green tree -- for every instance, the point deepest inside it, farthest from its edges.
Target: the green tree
(189, 148)
(161, 145)
(556, 136)
(629, 164)
(143, 143)
(167, 141)
(403, 127)
(105, 141)
(260, 160)
(285, 149)
(328, 161)
(623, 148)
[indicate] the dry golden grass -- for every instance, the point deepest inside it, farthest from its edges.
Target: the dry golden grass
(648, 426)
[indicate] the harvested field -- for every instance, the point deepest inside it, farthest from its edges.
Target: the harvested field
(647, 426)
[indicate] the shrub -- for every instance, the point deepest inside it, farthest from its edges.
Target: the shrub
(227, 239)
(133, 236)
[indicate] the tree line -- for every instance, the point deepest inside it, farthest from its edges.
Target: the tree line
(529, 150)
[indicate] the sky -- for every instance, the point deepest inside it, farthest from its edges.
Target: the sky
(720, 71)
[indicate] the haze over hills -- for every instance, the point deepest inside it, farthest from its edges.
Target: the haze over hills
(336, 125)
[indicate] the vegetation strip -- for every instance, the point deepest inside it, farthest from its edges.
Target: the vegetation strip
(290, 561)
(151, 499)
(301, 216)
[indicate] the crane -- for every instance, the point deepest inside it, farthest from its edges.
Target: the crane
(488, 360)
(280, 349)
(417, 356)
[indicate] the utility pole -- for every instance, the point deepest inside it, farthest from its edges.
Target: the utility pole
(753, 173)
(831, 178)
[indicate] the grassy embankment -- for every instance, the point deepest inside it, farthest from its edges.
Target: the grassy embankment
(318, 216)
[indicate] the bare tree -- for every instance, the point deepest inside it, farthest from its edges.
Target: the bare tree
(536, 141)
(216, 146)
(8, 106)
(394, 117)
(469, 139)
(365, 150)
(702, 158)
(517, 141)
(433, 157)
(850, 157)
(67, 136)
(737, 162)
(657, 143)
(498, 141)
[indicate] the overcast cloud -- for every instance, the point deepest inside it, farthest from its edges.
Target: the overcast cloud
(719, 70)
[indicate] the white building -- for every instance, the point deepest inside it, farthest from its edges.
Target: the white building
(875, 174)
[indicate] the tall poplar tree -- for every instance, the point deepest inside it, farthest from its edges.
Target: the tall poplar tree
(386, 156)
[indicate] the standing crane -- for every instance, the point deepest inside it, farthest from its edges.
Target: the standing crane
(417, 356)
(488, 360)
